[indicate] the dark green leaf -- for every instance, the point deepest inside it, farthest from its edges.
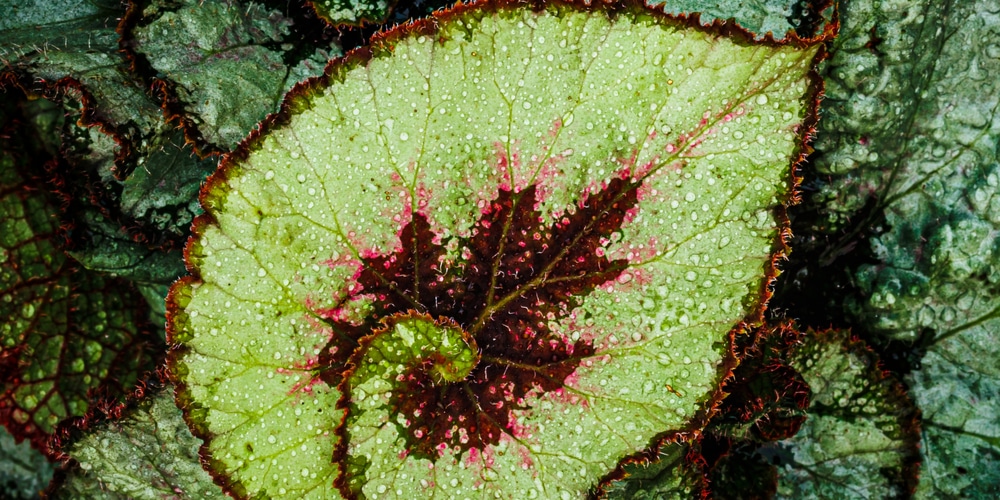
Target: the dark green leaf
(149, 454)
(226, 60)
(860, 439)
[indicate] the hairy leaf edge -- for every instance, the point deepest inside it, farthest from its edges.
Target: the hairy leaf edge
(382, 44)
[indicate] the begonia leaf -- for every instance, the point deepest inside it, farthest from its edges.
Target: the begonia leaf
(675, 472)
(70, 337)
(341, 12)
(860, 439)
(758, 16)
(958, 390)
(152, 202)
(766, 397)
(72, 44)
(148, 454)
(909, 149)
(107, 248)
(591, 195)
(225, 61)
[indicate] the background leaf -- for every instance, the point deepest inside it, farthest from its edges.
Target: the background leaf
(71, 338)
(860, 437)
(229, 63)
(149, 454)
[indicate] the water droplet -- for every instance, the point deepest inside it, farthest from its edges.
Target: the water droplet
(762, 99)
(404, 136)
(305, 472)
(271, 439)
(28, 311)
(691, 276)
(300, 177)
(294, 155)
(261, 272)
(689, 197)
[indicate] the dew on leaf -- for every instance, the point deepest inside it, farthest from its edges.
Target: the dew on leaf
(454, 344)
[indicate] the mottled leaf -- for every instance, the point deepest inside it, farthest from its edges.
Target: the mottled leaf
(936, 181)
(911, 139)
(340, 12)
(758, 16)
(148, 454)
(227, 62)
(958, 390)
(590, 198)
(149, 206)
(860, 439)
(69, 337)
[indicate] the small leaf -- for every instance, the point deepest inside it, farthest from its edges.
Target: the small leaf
(149, 454)
(339, 12)
(675, 472)
(589, 197)
(860, 440)
(766, 397)
(107, 248)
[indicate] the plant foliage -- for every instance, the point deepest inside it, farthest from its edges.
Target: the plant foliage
(541, 259)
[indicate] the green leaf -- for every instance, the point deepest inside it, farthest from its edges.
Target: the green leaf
(339, 12)
(148, 454)
(74, 56)
(107, 248)
(933, 166)
(674, 473)
(226, 62)
(24, 472)
(758, 16)
(71, 338)
(589, 197)
(958, 390)
(913, 131)
(860, 440)
(47, 42)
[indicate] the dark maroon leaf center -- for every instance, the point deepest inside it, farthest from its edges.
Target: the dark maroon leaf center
(514, 277)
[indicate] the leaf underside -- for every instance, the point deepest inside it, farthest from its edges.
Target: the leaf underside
(589, 198)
